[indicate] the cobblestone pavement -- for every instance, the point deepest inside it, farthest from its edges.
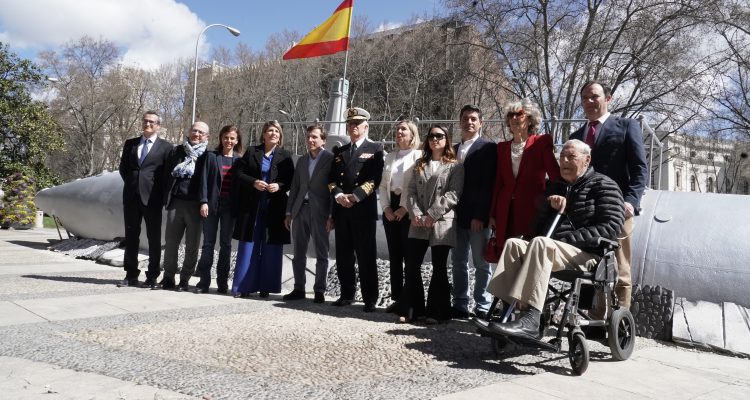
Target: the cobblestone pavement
(246, 348)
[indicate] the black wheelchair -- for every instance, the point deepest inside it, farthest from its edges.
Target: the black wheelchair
(574, 294)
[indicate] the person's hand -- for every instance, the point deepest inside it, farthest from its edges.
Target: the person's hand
(416, 221)
(492, 224)
(388, 213)
(476, 225)
(260, 185)
(204, 210)
(330, 225)
(272, 188)
(629, 210)
(557, 202)
(428, 221)
(400, 213)
(288, 222)
(343, 201)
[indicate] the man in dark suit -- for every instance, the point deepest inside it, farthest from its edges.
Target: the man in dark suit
(616, 151)
(479, 157)
(142, 170)
(355, 173)
(308, 213)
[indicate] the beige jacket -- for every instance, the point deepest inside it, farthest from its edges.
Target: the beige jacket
(436, 195)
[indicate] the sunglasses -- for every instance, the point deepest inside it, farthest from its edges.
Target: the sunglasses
(436, 136)
(516, 114)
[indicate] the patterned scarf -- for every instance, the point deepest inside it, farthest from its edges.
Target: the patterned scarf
(186, 168)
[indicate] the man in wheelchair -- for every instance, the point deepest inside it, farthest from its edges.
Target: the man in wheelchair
(591, 207)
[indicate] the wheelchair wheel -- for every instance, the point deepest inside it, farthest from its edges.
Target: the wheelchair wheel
(621, 334)
(499, 346)
(578, 353)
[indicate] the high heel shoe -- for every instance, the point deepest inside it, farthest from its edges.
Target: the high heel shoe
(264, 294)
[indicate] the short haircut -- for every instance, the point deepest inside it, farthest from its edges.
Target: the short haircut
(229, 129)
(580, 146)
(605, 88)
(272, 123)
(414, 132)
(323, 134)
(532, 112)
(470, 108)
(151, 112)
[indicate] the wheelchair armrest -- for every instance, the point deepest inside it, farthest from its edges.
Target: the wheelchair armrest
(606, 245)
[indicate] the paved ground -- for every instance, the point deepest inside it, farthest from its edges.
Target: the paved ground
(66, 332)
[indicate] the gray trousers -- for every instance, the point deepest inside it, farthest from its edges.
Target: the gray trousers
(183, 218)
(307, 225)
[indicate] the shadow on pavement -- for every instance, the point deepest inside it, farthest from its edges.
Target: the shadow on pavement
(78, 279)
(34, 245)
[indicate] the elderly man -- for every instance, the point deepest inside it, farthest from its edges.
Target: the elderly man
(593, 208)
(182, 201)
(142, 170)
(355, 174)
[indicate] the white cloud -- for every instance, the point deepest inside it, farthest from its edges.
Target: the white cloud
(150, 32)
(387, 26)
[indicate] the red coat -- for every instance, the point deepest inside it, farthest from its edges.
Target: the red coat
(526, 190)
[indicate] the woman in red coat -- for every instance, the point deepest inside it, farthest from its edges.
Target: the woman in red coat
(523, 163)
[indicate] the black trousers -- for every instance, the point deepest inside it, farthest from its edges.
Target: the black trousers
(134, 212)
(396, 235)
(356, 236)
(412, 303)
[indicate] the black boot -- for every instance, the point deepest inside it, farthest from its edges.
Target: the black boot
(527, 325)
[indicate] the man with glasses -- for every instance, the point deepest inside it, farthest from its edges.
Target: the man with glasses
(355, 174)
(182, 201)
(142, 171)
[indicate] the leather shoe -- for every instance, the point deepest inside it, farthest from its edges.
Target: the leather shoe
(167, 284)
(200, 290)
(459, 314)
(128, 283)
(392, 308)
(319, 298)
(294, 295)
(480, 314)
(264, 294)
(182, 287)
(369, 307)
(222, 290)
(527, 326)
(149, 283)
(342, 302)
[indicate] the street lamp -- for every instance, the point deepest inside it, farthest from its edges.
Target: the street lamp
(294, 125)
(233, 31)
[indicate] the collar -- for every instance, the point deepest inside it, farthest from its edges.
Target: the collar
(359, 142)
(152, 138)
(472, 140)
(603, 118)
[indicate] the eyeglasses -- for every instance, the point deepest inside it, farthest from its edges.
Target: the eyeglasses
(436, 136)
(198, 131)
(150, 122)
(517, 114)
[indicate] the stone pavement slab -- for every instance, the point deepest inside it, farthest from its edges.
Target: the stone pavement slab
(13, 314)
(724, 326)
(23, 379)
(737, 328)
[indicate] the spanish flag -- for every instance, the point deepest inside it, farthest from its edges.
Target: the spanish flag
(329, 38)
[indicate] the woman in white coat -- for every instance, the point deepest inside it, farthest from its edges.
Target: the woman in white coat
(397, 172)
(432, 196)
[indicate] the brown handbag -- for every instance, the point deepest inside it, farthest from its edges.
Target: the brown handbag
(491, 251)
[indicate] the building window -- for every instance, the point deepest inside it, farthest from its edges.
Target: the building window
(692, 183)
(677, 178)
(709, 185)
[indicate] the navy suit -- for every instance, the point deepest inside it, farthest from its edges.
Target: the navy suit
(479, 177)
(142, 199)
(360, 174)
(618, 153)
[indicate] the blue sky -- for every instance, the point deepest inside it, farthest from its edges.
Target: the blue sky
(152, 32)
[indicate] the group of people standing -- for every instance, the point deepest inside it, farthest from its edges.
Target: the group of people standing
(433, 195)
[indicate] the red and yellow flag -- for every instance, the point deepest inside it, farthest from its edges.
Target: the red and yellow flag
(330, 37)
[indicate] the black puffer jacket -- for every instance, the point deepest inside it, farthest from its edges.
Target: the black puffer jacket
(594, 209)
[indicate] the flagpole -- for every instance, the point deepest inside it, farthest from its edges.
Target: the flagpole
(349, 36)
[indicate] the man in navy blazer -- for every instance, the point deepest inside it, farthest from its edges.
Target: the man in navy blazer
(142, 171)
(308, 213)
(479, 157)
(616, 151)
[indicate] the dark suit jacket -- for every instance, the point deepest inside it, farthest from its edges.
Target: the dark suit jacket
(618, 153)
(315, 186)
(176, 156)
(210, 182)
(246, 199)
(479, 176)
(525, 190)
(359, 174)
(144, 182)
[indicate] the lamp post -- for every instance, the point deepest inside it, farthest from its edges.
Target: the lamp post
(233, 31)
(294, 125)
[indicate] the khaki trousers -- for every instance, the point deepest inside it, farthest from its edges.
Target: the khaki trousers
(624, 288)
(524, 269)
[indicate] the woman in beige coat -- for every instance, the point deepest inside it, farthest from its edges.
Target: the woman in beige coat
(432, 196)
